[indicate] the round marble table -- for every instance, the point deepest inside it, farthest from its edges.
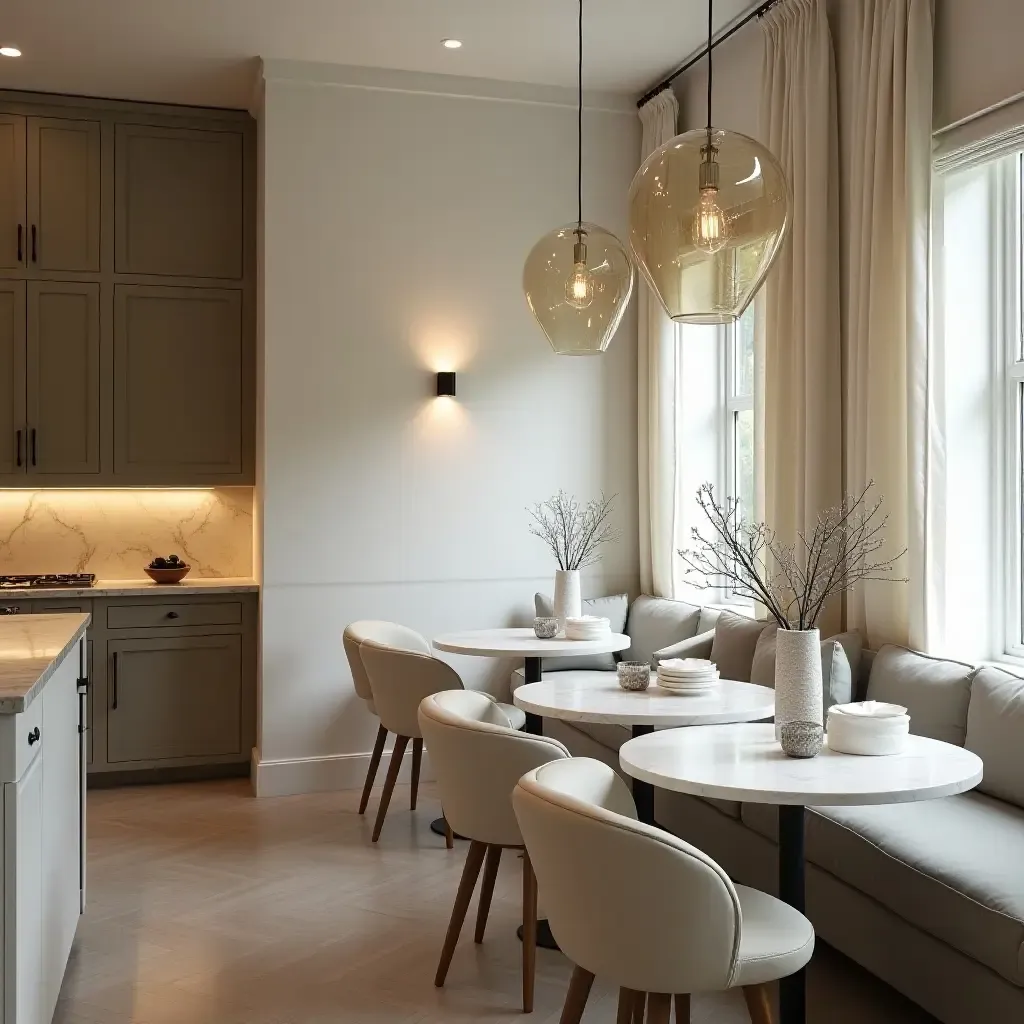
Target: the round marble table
(524, 643)
(745, 763)
(576, 699)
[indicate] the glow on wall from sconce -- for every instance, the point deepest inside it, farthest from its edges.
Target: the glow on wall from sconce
(443, 347)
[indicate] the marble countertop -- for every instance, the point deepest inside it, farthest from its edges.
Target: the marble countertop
(137, 588)
(31, 648)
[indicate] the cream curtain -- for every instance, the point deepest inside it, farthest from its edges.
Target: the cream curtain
(658, 376)
(802, 354)
(890, 424)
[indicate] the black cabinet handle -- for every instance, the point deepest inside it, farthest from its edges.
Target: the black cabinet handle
(33, 736)
(17, 446)
(20, 256)
(113, 685)
(34, 257)
(172, 615)
(33, 435)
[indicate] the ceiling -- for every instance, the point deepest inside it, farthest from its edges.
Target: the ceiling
(203, 51)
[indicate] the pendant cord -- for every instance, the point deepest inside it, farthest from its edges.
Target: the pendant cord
(579, 126)
(710, 61)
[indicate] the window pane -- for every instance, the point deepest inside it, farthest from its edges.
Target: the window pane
(744, 455)
(1019, 455)
(1020, 257)
(745, 354)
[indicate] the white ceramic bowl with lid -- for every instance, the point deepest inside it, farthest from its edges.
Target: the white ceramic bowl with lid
(868, 734)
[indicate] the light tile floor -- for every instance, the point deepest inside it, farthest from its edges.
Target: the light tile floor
(207, 906)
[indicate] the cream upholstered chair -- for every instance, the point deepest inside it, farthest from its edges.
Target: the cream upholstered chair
(478, 758)
(402, 638)
(643, 909)
(399, 679)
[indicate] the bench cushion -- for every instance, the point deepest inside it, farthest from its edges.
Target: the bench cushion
(951, 867)
(736, 639)
(995, 732)
(655, 622)
(934, 691)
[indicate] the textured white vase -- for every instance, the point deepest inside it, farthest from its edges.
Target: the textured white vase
(798, 699)
(567, 595)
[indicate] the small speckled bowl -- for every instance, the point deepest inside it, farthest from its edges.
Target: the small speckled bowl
(545, 627)
(634, 675)
(802, 739)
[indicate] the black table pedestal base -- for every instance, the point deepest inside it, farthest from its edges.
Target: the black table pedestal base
(792, 990)
(544, 937)
(439, 827)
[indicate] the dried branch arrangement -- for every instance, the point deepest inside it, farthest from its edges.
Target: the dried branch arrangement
(793, 581)
(573, 531)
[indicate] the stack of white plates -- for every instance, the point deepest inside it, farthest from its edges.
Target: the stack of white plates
(587, 627)
(687, 675)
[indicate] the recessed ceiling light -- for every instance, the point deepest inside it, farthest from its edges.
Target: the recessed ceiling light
(451, 44)
(9, 51)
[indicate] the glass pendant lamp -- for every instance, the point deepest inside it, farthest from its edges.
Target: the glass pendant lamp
(708, 213)
(578, 278)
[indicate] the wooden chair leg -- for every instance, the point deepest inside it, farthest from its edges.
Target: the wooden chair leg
(371, 772)
(470, 873)
(449, 835)
(576, 997)
(417, 757)
(487, 890)
(759, 1004)
(659, 1008)
(529, 932)
(627, 1005)
(682, 1002)
(639, 1007)
(389, 783)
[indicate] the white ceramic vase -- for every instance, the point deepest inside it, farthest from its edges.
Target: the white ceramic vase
(799, 710)
(567, 595)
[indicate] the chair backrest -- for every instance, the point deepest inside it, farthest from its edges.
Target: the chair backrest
(400, 679)
(477, 759)
(390, 633)
(626, 901)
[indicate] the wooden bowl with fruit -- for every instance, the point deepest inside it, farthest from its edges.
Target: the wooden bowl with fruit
(167, 570)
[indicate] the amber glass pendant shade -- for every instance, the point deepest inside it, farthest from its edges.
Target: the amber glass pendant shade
(708, 213)
(579, 305)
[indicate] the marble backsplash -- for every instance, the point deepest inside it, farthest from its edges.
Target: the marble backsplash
(114, 533)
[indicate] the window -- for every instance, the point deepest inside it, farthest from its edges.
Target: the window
(739, 413)
(979, 379)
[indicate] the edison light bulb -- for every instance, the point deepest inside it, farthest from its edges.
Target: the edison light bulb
(579, 287)
(710, 223)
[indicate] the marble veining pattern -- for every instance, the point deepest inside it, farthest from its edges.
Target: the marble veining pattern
(115, 533)
(31, 647)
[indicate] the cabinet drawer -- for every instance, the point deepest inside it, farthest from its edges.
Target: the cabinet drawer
(19, 738)
(144, 616)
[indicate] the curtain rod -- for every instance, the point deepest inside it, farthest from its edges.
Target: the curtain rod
(697, 57)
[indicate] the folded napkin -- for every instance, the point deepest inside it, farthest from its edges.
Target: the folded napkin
(687, 665)
(870, 709)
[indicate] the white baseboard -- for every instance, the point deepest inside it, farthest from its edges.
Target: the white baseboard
(293, 775)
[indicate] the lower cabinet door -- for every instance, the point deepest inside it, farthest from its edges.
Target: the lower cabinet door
(24, 955)
(173, 698)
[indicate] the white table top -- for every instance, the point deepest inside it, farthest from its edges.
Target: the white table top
(744, 762)
(523, 643)
(578, 700)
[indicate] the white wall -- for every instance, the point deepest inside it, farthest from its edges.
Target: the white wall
(398, 211)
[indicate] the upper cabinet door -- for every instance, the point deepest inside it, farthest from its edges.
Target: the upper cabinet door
(63, 194)
(178, 379)
(12, 378)
(13, 222)
(178, 202)
(63, 378)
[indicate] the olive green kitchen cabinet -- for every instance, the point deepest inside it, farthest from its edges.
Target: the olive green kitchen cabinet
(179, 202)
(127, 294)
(178, 383)
(50, 189)
(49, 381)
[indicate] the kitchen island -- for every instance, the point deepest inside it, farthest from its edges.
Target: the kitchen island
(42, 771)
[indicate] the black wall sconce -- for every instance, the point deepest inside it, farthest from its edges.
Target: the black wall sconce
(446, 384)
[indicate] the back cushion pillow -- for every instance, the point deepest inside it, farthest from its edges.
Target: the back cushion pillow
(736, 639)
(611, 608)
(995, 732)
(934, 692)
(656, 622)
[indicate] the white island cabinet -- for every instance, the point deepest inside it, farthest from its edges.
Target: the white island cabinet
(42, 769)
